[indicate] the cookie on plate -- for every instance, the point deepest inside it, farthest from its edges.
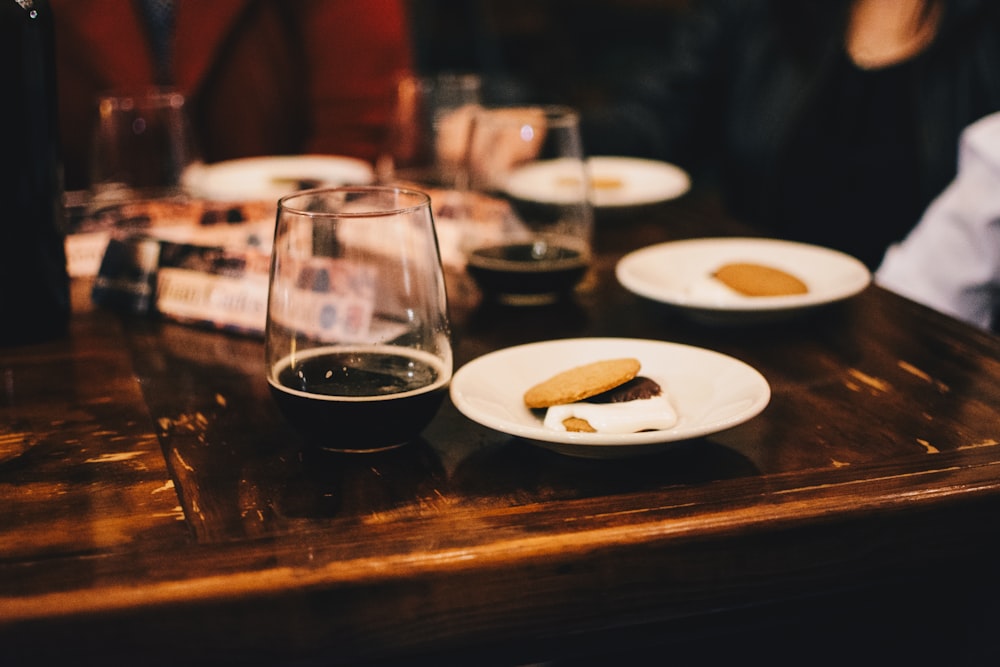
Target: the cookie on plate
(581, 382)
(759, 280)
(577, 425)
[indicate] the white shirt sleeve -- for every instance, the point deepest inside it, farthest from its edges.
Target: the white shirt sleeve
(951, 260)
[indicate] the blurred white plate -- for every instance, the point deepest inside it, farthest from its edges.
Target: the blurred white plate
(616, 181)
(679, 273)
(271, 177)
(709, 391)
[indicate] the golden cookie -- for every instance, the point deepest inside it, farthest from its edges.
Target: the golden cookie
(759, 280)
(581, 382)
(606, 182)
(597, 182)
(578, 425)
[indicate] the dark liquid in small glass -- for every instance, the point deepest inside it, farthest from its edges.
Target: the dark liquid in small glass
(358, 400)
(526, 269)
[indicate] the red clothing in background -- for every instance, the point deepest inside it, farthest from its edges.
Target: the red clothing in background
(262, 77)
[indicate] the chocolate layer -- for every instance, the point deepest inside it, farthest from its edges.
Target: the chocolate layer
(635, 389)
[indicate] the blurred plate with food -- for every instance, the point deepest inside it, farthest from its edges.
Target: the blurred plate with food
(272, 177)
(615, 182)
(738, 279)
(704, 392)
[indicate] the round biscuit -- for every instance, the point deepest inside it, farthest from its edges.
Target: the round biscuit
(581, 382)
(759, 280)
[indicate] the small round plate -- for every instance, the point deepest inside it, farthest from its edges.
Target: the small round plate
(616, 182)
(271, 177)
(709, 391)
(679, 273)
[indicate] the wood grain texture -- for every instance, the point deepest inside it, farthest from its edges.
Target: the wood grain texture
(161, 509)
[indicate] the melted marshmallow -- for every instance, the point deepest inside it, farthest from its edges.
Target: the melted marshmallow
(645, 414)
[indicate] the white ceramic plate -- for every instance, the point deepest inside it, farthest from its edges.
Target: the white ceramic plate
(709, 391)
(679, 274)
(271, 177)
(617, 181)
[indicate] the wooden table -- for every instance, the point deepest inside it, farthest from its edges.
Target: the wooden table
(155, 507)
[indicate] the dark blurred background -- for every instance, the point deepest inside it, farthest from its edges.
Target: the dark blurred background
(568, 51)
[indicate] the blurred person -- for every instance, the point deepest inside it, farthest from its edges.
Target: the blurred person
(834, 122)
(261, 77)
(951, 260)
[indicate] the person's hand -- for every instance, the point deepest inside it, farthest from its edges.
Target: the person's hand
(490, 142)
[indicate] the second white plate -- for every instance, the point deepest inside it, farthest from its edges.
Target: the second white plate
(616, 181)
(679, 273)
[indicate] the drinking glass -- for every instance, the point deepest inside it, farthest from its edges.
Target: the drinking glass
(528, 241)
(357, 341)
(143, 146)
(429, 129)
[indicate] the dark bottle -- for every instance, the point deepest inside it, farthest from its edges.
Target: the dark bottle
(34, 287)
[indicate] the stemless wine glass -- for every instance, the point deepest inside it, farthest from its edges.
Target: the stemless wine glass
(528, 201)
(357, 343)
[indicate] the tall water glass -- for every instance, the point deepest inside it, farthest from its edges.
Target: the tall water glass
(528, 201)
(357, 343)
(429, 129)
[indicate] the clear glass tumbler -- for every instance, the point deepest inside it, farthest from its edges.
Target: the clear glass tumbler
(143, 146)
(358, 344)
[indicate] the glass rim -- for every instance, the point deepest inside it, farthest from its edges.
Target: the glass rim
(558, 114)
(140, 95)
(465, 79)
(421, 200)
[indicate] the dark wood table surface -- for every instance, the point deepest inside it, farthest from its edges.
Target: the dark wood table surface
(154, 506)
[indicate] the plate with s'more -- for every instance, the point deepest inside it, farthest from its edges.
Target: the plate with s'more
(608, 397)
(736, 279)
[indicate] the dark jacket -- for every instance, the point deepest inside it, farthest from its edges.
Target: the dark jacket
(727, 91)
